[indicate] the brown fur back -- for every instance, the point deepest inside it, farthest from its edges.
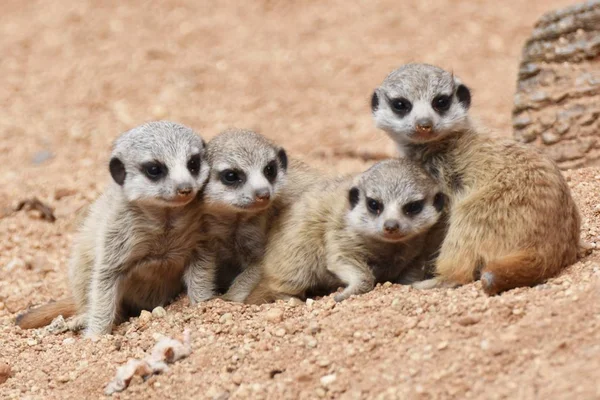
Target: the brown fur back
(43, 315)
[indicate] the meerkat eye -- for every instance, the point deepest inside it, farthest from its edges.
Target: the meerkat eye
(401, 106)
(374, 206)
(193, 164)
(413, 208)
(154, 170)
(270, 171)
(441, 102)
(230, 177)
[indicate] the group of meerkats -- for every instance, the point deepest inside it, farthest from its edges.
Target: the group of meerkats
(235, 218)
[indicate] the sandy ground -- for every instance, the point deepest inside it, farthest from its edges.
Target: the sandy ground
(76, 74)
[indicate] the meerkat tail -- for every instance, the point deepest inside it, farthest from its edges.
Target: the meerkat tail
(43, 315)
(524, 268)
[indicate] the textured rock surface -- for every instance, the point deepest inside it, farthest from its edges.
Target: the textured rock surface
(558, 92)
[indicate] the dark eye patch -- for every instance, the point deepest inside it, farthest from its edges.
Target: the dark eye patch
(413, 208)
(400, 106)
(441, 103)
(232, 177)
(270, 171)
(193, 164)
(374, 206)
(154, 170)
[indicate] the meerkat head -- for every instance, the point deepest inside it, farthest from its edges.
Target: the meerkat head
(247, 171)
(419, 103)
(159, 163)
(393, 201)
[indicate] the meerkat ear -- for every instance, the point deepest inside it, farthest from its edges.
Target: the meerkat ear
(282, 159)
(374, 101)
(353, 197)
(439, 201)
(464, 95)
(203, 143)
(117, 170)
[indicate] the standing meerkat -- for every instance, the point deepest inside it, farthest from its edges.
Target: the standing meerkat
(512, 220)
(244, 192)
(352, 232)
(140, 235)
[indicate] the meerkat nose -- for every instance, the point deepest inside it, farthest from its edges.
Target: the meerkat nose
(184, 190)
(424, 124)
(391, 226)
(262, 194)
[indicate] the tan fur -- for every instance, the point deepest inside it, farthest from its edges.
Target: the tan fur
(312, 247)
(513, 219)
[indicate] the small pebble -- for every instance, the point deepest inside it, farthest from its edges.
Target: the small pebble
(159, 312)
(226, 318)
(327, 380)
(145, 316)
(323, 362)
(68, 341)
(274, 315)
(280, 332)
(311, 342)
(387, 284)
(294, 302)
(442, 345)
(4, 372)
(310, 302)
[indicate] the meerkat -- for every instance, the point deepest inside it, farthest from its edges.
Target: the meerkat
(141, 235)
(247, 187)
(352, 232)
(512, 220)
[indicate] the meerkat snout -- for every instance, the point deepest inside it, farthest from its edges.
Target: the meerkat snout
(424, 125)
(391, 225)
(262, 195)
(184, 190)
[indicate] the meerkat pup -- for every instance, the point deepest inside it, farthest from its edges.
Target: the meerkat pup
(512, 220)
(140, 236)
(247, 174)
(351, 232)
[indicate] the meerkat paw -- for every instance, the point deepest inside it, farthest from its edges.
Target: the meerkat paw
(349, 291)
(201, 297)
(232, 297)
(93, 336)
(77, 323)
(95, 332)
(434, 283)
